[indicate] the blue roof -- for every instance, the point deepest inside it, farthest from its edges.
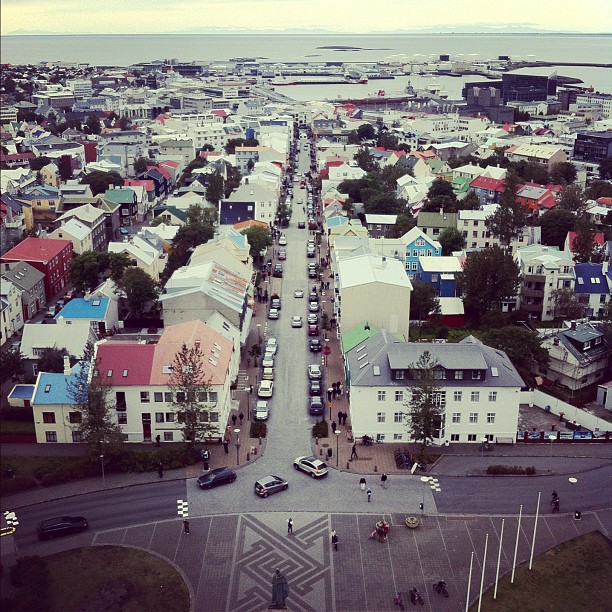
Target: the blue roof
(590, 279)
(24, 392)
(79, 308)
(336, 221)
(54, 388)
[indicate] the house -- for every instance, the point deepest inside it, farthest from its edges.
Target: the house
(452, 312)
(12, 219)
(473, 225)
(433, 224)
(488, 190)
(30, 282)
(94, 219)
(49, 175)
(544, 155)
(479, 389)
(51, 257)
(70, 335)
(379, 226)
(128, 203)
(102, 313)
(578, 356)
(594, 282)
(170, 215)
(44, 202)
(77, 233)
(249, 202)
(145, 251)
(441, 274)
(534, 198)
(418, 244)
(598, 241)
(360, 277)
(11, 318)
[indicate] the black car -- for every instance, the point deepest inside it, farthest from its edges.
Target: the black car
(315, 387)
(315, 406)
(61, 525)
(214, 478)
(301, 224)
(315, 345)
(278, 271)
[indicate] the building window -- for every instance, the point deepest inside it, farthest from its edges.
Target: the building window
(454, 437)
(212, 397)
(51, 436)
(473, 417)
(475, 396)
(415, 253)
(439, 398)
(458, 374)
(471, 438)
(48, 417)
(170, 417)
(214, 417)
(415, 266)
(399, 374)
(398, 437)
(382, 396)
(490, 417)
(456, 417)
(180, 397)
(144, 397)
(475, 374)
(492, 396)
(75, 417)
(457, 395)
(380, 417)
(77, 436)
(168, 397)
(158, 396)
(399, 396)
(168, 436)
(159, 417)
(122, 418)
(398, 417)
(439, 374)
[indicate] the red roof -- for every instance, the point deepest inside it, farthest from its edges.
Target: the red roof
(37, 249)
(219, 112)
(148, 184)
(490, 184)
(604, 201)
(549, 201)
(169, 163)
(130, 358)
(597, 239)
(161, 170)
(12, 156)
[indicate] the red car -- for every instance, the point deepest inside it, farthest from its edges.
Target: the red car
(282, 255)
(313, 330)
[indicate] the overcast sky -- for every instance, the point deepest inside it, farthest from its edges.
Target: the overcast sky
(145, 16)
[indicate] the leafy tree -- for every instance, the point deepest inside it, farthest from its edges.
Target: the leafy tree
(190, 392)
(489, 277)
(11, 365)
(440, 187)
(124, 123)
(583, 246)
(440, 202)
(508, 221)
(572, 198)
(555, 224)
(451, 240)
(384, 204)
(232, 143)
(52, 360)
(92, 125)
(353, 138)
(233, 180)
(521, 115)
(365, 161)
(255, 352)
(139, 289)
(214, 187)
(563, 172)
(250, 165)
(88, 268)
(389, 176)
(283, 214)
(100, 181)
(91, 394)
(569, 304)
(208, 147)
(259, 239)
(64, 166)
(38, 163)
(366, 131)
(353, 188)
(598, 189)
(186, 239)
(389, 142)
(199, 214)
(605, 168)
(425, 404)
(403, 224)
(470, 202)
(424, 302)
(142, 163)
(530, 172)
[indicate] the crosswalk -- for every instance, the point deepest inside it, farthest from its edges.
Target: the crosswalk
(433, 483)
(242, 382)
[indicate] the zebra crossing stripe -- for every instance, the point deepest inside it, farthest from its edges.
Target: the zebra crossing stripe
(183, 508)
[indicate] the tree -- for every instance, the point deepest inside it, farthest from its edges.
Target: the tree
(139, 289)
(191, 392)
(64, 166)
(233, 180)
(366, 131)
(441, 202)
(97, 427)
(141, 164)
(508, 221)
(569, 304)
(38, 163)
(389, 142)
(605, 168)
(389, 176)
(384, 204)
(88, 268)
(100, 181)
(470, 202)
(563, 172)
(598, 189)
(283, 214)
(572, 198)
(52, 360)
(425, 406)
(404, 222)
(259, 239)
(583, 246)
(232, 143)
(489, 278)
(214, 188)
(11, 365)
(365, 161)
(186, 239)
(440, 187)
(198, 214)
(451, 240)
(423, 301)
(92, 125)
(353, 138)
(555, 224)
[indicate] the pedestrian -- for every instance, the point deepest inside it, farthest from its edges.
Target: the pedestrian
(354, 451)
(334, 539)
(289, 526)
(340, 389)
(251, 390)
(329, 394)
(369, 493)
(157, 440)
(385, 528)
(383, 481)
(362, 483)
(380, 533)
(345, 416)
(340, 415)
(226, 447)
(234, 419)
(241, 417)
(160, 469)
(186, 526)
(248, 362)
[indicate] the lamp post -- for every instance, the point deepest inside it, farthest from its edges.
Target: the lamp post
(424, 480)
(103, 478)
(259, 333)
(237, 432)
(483, 440)
(337, 432)
(577, 513)
(552, 439)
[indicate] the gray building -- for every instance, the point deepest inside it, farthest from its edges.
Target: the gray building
(31, 283)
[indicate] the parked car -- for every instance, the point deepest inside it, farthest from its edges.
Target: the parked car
(315, 406)
(296, 321)
(217, 477)
(314, 371)
(267, 374)
(69, 295)
(273, 313)
(315, 345)
(60, 304)
(124, 231)
(298, 293)
(276, 303)
(271, 345)
(51, 312)
(265, 388)
(270, 484)
(261, 411)
(310, 252)
(314, 387)
(313, 296)
(312, 224)
(278, 271)
(313, 330)
(313, 306)
(313, 318)
(267, 361)
(301, 224)
(61, 525)
(282, 255)
(312, 466)
(282, 241)
(15, 346)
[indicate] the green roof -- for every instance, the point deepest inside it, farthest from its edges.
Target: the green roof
(120, 196)
(356, 335)
(461, 184)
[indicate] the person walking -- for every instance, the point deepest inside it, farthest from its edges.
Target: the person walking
(340, 416)
(160, 469)
(241, 417)
(226, 447)
(334, 426)
(354, 451)
(334, 539)
(289, 526)
(362, 483)
(340, 389)
(251, 390)
(158, 440)
(186, 527)
(383, 481)
(369, 494)
(329, 394)
(234, 419)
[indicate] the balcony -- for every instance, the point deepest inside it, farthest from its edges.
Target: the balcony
(532, 293)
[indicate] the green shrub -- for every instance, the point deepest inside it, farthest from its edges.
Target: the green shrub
(513, 470)
(320, 429)
(258, 430)
(55, 478)
(8, 486)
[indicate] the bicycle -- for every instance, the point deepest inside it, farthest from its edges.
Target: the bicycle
(440, 587)
(398, 601)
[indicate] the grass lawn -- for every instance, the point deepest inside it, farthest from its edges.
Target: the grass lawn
(572, 576)
(114, 578)
(36, 466)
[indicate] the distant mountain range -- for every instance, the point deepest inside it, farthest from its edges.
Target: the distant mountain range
(446, 30)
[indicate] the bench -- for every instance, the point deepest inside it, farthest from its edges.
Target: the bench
(502, 440)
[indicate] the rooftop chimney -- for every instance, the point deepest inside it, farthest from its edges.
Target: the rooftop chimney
(573, 325)
(66, 365)
(197, 344)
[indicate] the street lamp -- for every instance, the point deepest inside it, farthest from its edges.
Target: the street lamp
(259, 332)
(237, 432)
(424, 479)
(484, 440)
(103, 478)
(337, 432)
(552, 438)
(577, 513)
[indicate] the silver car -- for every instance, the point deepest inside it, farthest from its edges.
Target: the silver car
(270, 484)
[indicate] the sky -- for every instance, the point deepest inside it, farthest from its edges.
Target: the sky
(149, 16)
